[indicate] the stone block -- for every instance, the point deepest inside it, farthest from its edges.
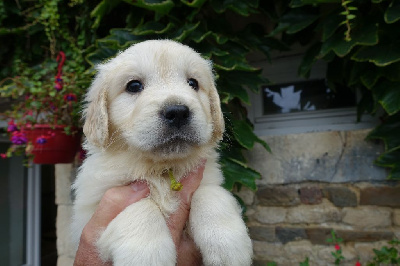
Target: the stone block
(278, 196)
(65, 261)
(364, 236)
(367, 217)
(270, 215)
(380, 196)
(262, 233)
(310, 195)
(333, 157)
(348, 252)
(341, 196)
(396, 217)
(64, 244)
(64, 174)
(318, 235)
(297, 251)
(288, 234)
(246, 194)
(365, 250)
(313, 214)
(267, 251)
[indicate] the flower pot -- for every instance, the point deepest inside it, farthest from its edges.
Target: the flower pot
(50, 144)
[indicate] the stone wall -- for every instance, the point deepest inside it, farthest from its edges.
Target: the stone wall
(65, 174)
(311, 183)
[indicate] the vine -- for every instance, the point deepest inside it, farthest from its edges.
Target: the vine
(348, 17)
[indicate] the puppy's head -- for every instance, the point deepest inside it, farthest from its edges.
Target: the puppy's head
(157, 98)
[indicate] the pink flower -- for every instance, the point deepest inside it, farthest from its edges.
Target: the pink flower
(70, 97)
(18, 138)
(3, 155)
(11, 126)
(337, 247)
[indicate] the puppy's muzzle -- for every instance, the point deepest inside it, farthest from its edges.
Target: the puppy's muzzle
(176, 116)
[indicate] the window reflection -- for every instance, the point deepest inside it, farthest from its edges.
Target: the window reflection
(305, 96)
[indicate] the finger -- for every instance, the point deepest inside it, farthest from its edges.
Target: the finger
(177, 220)
(115, 200)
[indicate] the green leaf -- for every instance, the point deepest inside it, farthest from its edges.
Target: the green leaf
(330, 24)
(392, 13)
(382, 54)
(387, 93)
(244, 134)
(232, 91)
(99, 55)
(299, 3)
(103, 8)
(391, 159)
(251, 80)
(243, 8)
(198, 35)
(195, 3)
(294, 21)
(152, 27)
(184, 31)
(371, 74)
(237, 172)
(229, 63)
(122, 36)
(388, 132)
(159, 6)
(362, 35)
(308, 60)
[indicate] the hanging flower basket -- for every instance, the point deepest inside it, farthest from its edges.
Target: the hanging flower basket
(49, 144)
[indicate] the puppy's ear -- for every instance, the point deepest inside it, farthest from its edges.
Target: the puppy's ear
(95, 127)
(216, 114)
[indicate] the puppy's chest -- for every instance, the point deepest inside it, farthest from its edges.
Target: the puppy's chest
(163, 195)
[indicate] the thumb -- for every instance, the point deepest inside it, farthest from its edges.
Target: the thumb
(116, 199)
(178, 219)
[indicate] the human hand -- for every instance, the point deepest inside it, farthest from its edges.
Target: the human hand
(115, 200)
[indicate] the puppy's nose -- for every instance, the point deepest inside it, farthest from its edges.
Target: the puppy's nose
(176, 115)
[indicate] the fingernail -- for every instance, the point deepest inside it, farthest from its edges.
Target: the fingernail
(138, 186)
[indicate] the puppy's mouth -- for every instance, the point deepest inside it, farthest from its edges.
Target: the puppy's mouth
(177, 144)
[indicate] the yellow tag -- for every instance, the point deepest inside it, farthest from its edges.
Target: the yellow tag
(175, 185)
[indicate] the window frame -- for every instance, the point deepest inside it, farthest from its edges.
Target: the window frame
(284, 70)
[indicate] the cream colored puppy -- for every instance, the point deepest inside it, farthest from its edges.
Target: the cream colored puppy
(151, 110)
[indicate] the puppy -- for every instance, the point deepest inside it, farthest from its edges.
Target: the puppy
(151, 110)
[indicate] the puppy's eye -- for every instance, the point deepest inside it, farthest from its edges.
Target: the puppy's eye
(134, 86)
(193, 83)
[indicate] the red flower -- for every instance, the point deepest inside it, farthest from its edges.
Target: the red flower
(70, 97)
(337, 247)
(358, 263)
(3, 155)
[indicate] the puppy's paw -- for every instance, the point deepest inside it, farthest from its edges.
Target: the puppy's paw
(218, 229)
(225, 248)
(138, 236)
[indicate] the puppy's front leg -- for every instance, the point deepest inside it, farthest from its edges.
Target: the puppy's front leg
(138, 236)
(218, 229)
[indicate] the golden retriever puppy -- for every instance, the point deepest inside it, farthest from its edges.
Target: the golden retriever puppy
(154, 110)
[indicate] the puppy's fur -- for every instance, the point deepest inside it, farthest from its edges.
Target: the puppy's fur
(133, 136)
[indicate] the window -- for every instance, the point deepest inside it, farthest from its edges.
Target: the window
(28, 234)
(296, 105)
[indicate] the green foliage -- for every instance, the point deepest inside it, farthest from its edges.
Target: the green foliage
(337, 254)
(387, 255)
(358, 39)
(363, 54)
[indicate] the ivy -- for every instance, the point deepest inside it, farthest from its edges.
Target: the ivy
(358, 39)
(363, 55)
